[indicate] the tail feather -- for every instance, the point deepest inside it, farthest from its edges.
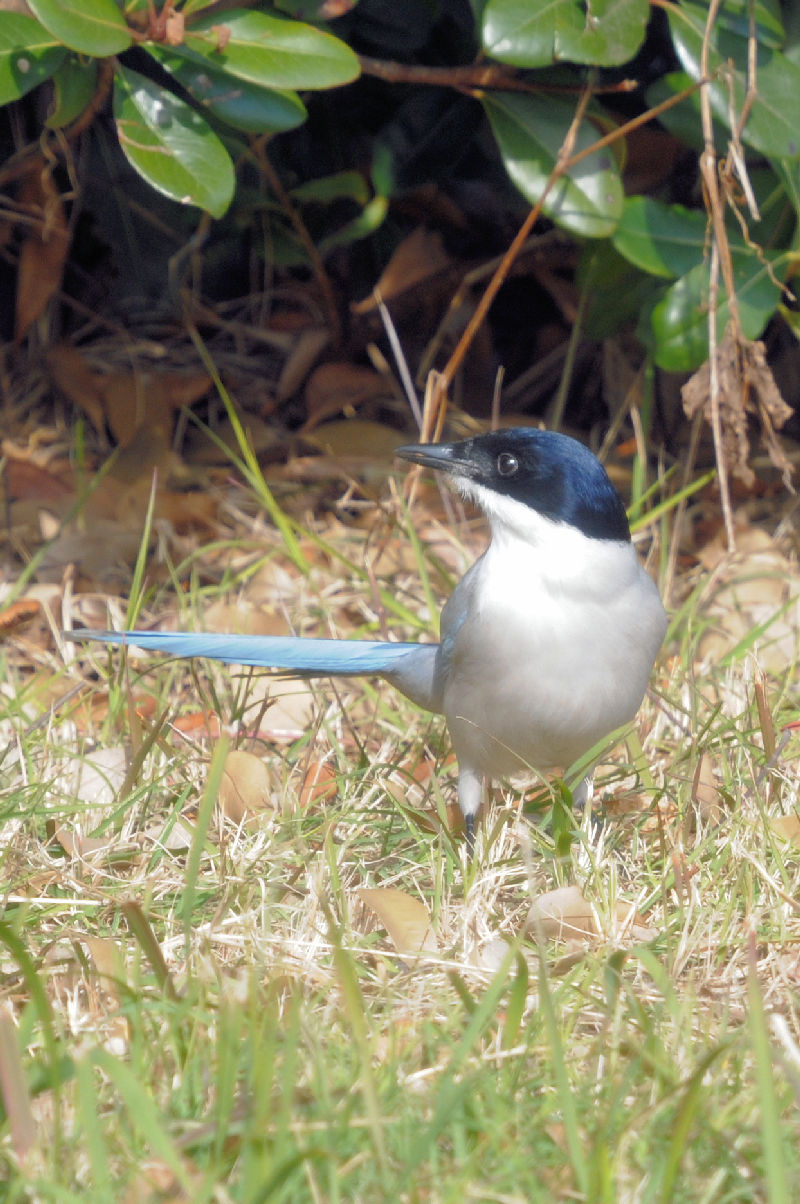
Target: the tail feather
(290, 653)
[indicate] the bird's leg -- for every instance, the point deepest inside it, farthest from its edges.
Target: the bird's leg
(582, 797)
(470, 796)
(583, 793)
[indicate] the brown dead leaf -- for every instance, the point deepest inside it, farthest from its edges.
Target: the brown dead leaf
(564, 914)
(244, 616)
(746, 387)
(44, 251)
(23, 479)
(319, 785)
(91, 847)
(206, 722)
(96, 778)
(246, 787)
(79, 384)
(336, 387)
(17, 615)
(291, 706)
(352, 439)
(418, 257)
(787, 826)
(305, 352)
(129, 402)
(409, 785)
(705, 792)
(95, 781)
(756, 587)
(148, 400)
(106, 955)
(404, 917)
(14, 1088)
(199, 448)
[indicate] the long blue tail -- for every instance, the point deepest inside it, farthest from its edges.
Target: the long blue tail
(411, 668)
(291, 653)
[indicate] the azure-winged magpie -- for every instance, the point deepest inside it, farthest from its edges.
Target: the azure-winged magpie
(547, 642)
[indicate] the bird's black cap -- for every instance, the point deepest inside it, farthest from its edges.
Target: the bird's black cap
(551, 473)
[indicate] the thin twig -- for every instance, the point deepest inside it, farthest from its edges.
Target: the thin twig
(563, 165)
(259, 148)
(470, 76)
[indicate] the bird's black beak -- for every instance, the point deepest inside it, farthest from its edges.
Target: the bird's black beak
(446, 457)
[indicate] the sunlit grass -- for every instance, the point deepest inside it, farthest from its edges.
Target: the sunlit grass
(209, 1013)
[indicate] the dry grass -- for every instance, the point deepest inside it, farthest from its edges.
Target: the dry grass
(203, 1011)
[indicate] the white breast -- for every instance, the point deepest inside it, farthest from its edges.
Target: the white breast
(556, 651)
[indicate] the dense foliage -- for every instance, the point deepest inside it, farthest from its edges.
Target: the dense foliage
(362, 109)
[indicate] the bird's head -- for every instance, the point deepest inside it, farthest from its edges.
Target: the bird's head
(546, 472)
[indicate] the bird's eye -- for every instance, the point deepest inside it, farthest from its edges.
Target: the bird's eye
(507, 464)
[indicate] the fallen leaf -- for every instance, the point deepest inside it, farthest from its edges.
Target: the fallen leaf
(95, 781)
(23, 1128)
(292, 702)
(306, 350)
(89, 847)
(404, 917)
(319, 785)
(15, 616)
(24, 479)
(352, 438)
(246, 787)
(147, 399)
(140, 399)
(565, 915)
(199, 448)
(72, 375)
(244, 616)
(756, 587)
(705, 792)
(96, 778)
(336, 387)
(417, 258)
(44, 250)
(787, 826)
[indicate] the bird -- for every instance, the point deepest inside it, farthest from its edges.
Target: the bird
(546, 643)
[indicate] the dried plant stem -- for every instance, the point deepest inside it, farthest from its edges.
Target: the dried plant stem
(720, 260)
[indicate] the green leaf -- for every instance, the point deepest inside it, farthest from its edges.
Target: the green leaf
(520, 32)
(243, 105)
(617, 292)
(74, 86)
(94, 27)
(610, 35)
(680, 320)
(734, 16)
(28, 55)
(530, 131)
(270, 51)
(368, 221)
(771, 126)
(664, 240)
(683, 120)
(534, 33)
(342, 184)
(170, 145)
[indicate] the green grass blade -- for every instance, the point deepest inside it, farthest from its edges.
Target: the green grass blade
(204, 813)
(248, 463)
(777, 1183)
